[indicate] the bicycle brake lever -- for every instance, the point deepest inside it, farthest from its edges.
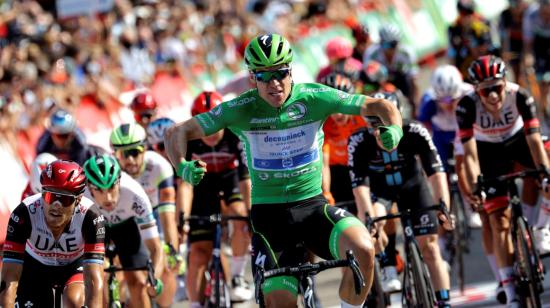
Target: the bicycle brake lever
(358, 279)
(258, 282)
(151, 273)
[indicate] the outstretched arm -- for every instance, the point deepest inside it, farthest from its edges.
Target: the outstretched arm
(384, 109)
(175, 140)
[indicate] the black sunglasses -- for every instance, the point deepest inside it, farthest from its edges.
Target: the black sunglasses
(131, 152)
(486, 91)
(267, 76)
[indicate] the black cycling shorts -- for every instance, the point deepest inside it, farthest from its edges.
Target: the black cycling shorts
(414, 195)
(207, 197)
(129, 247)
(37, 282)
(340, 187)
(497, 159)
(278, 229)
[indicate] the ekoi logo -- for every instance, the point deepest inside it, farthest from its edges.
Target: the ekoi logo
(296, 111)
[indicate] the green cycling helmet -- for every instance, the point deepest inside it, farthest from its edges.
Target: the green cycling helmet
(267, 50)
(128, 136)
(102, 171)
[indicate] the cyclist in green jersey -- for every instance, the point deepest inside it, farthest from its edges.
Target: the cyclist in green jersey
(280, 124)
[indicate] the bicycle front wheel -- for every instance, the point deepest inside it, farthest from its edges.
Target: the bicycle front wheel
(528, 266)
(377, 298)
(460, 237)
(422, 285)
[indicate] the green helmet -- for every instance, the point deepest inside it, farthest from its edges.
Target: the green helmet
(102, 171)
(128, 136)
(267, 50)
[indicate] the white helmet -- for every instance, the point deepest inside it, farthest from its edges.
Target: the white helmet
(446, 81)
(389, 33)
(39, 164)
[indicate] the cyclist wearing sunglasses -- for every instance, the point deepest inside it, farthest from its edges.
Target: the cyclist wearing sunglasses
(395, 176)
(222, 154)
(129, 222)
(498, 128)
(398, 59)
(55, 238)
(280, 125)
(156, 176)
(63, 138)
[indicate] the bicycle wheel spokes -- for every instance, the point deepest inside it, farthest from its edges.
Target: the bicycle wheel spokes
(527, 264)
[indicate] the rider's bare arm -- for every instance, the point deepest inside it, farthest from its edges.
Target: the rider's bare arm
(385, 110)
(176, 137)
(363, 201)
(538, 153)
(93, 285)
(155, 249)
(11, 273)
(168, 218)
(471, 163)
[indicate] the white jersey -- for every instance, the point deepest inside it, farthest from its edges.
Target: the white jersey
(133, 203)
(28, 232)
(156, 174)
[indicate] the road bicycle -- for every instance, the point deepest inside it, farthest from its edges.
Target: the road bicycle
(216, 290)
(304, 273)
(113, 284)
(528, 268)
(417, 290)
(458, 239)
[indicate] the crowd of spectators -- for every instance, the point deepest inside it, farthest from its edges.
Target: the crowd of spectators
(49, 61)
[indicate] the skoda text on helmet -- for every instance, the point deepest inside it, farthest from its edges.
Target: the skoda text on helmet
(63, 176)
(205, 102)
(338, 48)
(38, 164)
(157, 129)
(446, 81)
(266, 51)
(486, 68)
(339, 81)
(102, 171)
(61, 122)
(128, 136)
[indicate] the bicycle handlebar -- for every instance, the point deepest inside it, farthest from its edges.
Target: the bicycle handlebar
(440, 207)
(309, 269)
(482, 182)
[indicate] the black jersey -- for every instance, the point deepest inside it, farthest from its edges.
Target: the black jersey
(382, 170)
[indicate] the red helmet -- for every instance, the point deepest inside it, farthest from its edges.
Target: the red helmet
(143, 102)
(63, 176)
(487, 68)
(339, 48)
(205, 102)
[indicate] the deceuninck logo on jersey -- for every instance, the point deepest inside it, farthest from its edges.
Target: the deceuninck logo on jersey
(296, 111)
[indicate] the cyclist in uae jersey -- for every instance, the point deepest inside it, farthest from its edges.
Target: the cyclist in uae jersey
(396, 176)
(280, 125)
(498, 127)
(129, 222)
(337, 130)
(54, 239)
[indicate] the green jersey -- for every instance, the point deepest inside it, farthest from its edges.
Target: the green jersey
(283, 146)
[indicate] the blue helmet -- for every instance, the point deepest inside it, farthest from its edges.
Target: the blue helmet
(157, 128)
(61, 122)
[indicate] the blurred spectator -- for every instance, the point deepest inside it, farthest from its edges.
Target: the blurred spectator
(362, 38)
(467, 25)
(511, 35)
